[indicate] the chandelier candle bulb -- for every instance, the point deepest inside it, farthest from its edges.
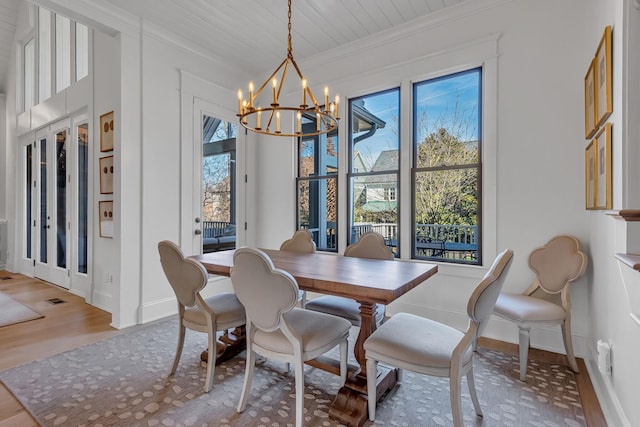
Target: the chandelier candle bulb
(299, 122)
(317, 122)
(337, 116)
(274, 83)
(258, 118)
(304, 93)
(239, 101)
(278, 122)
(250, 94)
(326, 98)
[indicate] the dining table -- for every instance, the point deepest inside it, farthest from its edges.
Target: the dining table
(367, 281)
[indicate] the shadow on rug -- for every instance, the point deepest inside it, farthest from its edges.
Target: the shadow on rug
(123, 381)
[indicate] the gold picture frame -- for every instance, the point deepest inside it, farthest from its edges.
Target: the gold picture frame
(590, 176)
(106, 175)
(590, 101)
(105, 211)
(603, 78)
(603, 168)
(106, 132)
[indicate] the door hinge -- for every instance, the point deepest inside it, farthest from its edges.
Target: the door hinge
(34, 262)
(68, 273)
(245, 178)
(245, 225)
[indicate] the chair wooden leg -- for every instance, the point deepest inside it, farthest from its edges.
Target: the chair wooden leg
(176, 359)
(524, 352)
(344, 348)
(299, 379)
(248, 376)
(211, 360)
(568, 345)
(472, 391)
(372, 368)
(456, 406)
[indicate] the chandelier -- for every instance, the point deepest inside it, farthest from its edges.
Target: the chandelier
(298, 120)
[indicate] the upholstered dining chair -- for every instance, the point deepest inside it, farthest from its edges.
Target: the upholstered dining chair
(556, 264)
(276, 329)
(370, 245)
(428, 347)
(188, 277)
(300, 242)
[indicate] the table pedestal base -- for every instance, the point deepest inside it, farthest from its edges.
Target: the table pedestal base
(228, 345)
(350, 406)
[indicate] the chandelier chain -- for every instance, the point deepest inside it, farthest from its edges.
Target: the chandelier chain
(290, 49)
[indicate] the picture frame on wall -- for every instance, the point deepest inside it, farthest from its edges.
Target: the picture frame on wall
(105, 209)
(106, 175)
(106, 132)
(603, 78)
(603, 168)
(590, 176)
(590, 101)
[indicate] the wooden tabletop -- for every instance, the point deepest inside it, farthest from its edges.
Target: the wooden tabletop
(374, 281)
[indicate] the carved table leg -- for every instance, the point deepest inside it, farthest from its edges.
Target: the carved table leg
(350, 405)
(228, 345)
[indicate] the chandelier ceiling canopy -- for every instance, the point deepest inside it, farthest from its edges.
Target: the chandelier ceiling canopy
(262, 112)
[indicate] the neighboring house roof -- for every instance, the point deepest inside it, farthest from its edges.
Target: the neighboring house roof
(386, 161)
(379, 205)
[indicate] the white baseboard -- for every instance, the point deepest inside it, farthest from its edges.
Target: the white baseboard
(102, 300)
(157, 310)
(607, 397)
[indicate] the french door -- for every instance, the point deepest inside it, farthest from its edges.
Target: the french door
(55, 203)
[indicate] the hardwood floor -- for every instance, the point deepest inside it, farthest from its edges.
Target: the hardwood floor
(74, 323)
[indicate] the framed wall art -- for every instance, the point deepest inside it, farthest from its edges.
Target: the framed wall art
(590, 176)
(603, 168)
(603, 83)
(590, 101)
(106, 175)
(106, 132)
(105, 209)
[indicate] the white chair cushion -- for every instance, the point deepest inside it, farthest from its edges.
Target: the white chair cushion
(226, 306)
(416, 340)
(346, 308)
(314, 329)
(522, 308)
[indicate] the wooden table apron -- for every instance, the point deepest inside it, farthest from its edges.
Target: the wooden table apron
(364, 280)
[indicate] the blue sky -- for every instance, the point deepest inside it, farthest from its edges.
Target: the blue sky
(438, 99)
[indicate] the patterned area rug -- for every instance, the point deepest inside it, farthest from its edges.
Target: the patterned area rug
(123, 381)
(12, 311)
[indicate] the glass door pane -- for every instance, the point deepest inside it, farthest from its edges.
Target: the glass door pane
(61, 199)
(44, 219)
(28, 199)
(83, 191)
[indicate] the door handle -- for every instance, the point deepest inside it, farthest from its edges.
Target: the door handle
(198, 231)
(197, 220)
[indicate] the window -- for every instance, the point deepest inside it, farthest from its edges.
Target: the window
(446, 168)
(443, 168)
(218, 184)
(63, 53)
(374, 142)
(317, 187)
(29, 74)
(57, 55)
(82, 51)
(44, 54)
